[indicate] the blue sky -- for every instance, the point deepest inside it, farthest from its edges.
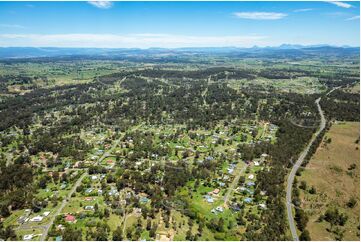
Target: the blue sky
(178, 24)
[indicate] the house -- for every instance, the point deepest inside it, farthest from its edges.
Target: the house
(137, 210)
(247, 200)
(94, 177)
(22, 219)
(88, 199)
(216, 191)
(251, 176)
(263, 157)
(28, 236)
(262, 193)
(143, 200)
(89, 207)
(113, 192)
(77, 164)
(209, 158)
(89, 190)
(46, 213)
(235, 207)
(60, 227)
(250, 184)
(70, 218)
(256, 163)
(262, 206)
(219, 209)
(208, 198)
(36, 219)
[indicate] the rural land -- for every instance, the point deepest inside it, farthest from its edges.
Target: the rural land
(180, 144)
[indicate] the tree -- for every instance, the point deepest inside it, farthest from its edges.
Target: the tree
(4, 210)
(71, 234)
(7, 233)
(334, 217)
(42, 182)
(149, 224)
(152, 231)
(189, 235)
(351, 203)
(303, 185)
(301, 219)
(118, 234)
(312, 190)
(220, 225)
(305, 235)
(55, 176)
(106, 213)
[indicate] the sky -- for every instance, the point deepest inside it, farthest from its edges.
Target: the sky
(178, 24)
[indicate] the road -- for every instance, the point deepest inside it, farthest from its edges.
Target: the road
(292, 174)
(231, 188)
(46, 227)
(78, 182)
(63, 204)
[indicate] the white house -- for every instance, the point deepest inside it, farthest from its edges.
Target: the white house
(37, 219)
(219, 209)
(28, 237)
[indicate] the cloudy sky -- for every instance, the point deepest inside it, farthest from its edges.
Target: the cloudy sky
(178, 24)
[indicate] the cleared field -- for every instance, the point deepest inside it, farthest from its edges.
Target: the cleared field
(334, 171)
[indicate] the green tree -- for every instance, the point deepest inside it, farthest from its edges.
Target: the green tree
(305, 235)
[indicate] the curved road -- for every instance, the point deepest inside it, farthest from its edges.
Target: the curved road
(292, 174)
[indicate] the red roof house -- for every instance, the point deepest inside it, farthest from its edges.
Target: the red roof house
(70, 218)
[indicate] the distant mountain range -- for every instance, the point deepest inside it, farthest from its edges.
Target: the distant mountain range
(287, 49)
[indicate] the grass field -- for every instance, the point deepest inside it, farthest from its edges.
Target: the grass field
(329, 172)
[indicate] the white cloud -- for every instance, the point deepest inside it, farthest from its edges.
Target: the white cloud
(340, 4)
(260, 15)
(128, 41)
(302, 10)
(14, 26)
(101, 4)
(353, 18)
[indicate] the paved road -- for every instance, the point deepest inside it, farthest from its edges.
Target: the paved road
(240, 169)
(292, 174)
(68, 197)
(63, 204)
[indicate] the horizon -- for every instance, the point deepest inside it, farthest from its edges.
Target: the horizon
(292, 46)
(174, 25)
